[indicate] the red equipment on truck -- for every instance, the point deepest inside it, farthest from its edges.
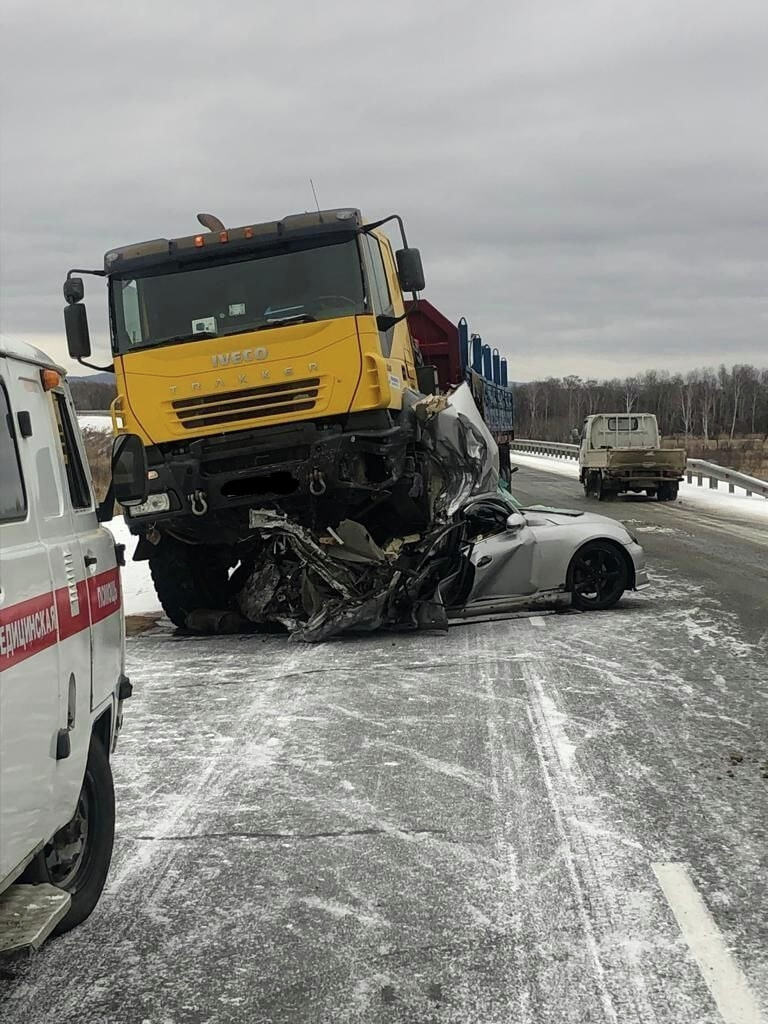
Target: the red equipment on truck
(458, 356)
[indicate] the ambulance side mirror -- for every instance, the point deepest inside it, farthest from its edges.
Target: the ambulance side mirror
(129, 470)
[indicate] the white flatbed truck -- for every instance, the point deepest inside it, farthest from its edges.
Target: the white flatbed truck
(622, 452)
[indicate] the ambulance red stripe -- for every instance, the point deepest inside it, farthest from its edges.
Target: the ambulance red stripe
(33, 625)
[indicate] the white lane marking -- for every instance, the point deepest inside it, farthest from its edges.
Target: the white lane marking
(538, 622)
(724, 977)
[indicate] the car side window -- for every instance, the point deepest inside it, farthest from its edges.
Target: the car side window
(13, 497)
(77, 479)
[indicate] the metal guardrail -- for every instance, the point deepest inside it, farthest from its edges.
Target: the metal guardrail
(716, 474)
(697, 468)
(567, 451)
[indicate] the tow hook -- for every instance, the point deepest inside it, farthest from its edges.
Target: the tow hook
(317, 484)
(198, 503)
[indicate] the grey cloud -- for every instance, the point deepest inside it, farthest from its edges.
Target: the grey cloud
(587, 182)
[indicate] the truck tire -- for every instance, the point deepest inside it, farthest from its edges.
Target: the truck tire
(667, 491)
(597, 576)
(188, 577)
(77, 859)
(593, 482)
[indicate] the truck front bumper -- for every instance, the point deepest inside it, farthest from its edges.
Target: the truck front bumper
(294, 467)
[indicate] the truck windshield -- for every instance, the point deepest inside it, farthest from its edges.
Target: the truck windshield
(265, 291)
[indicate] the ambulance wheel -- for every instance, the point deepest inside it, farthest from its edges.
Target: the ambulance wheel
(188, 577)
(77, 859)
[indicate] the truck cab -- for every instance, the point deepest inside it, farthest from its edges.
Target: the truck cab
(62, 676)
(265, 365)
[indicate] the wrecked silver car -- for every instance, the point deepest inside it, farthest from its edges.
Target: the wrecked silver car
(490, 559)
(480, 555)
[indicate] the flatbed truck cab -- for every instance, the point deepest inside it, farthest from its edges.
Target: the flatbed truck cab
(62, 681)
(262, 365)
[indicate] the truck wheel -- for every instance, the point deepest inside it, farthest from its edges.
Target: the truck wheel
(603, 493)
(651, 492)
(77, 859)
(667, 492)
(188, 577)
(597, 576)
(592, 483)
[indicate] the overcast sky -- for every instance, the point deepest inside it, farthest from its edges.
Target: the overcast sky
(587, 179)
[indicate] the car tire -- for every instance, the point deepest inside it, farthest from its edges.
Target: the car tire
(188, 578)
(598, 575)
(94, 823)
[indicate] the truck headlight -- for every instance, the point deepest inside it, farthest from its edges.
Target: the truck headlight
(154, 503)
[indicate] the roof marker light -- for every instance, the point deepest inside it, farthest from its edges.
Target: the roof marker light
(199, 243)
(248, 232)
(223, 236)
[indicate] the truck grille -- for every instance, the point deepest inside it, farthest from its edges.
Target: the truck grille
(248, 404)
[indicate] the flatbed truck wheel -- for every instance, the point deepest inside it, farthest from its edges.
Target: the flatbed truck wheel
(77, 859)
(667, 491)
(189, 577)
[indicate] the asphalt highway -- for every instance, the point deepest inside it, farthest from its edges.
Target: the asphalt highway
(553, 818)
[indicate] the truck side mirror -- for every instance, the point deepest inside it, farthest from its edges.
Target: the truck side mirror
(409, 270)
(129, 470)
(76, 326)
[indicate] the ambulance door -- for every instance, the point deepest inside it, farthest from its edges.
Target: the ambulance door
(72, 569)
(29, 668)
(99, 559)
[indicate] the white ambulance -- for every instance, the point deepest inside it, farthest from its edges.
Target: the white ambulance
(62, 681)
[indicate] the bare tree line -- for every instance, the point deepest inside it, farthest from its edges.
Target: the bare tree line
(88, 394)
(704, 403)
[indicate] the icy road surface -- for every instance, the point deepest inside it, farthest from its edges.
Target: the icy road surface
(464, 828)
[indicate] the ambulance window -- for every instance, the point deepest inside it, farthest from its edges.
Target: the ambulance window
(79, 490)
(13, 500)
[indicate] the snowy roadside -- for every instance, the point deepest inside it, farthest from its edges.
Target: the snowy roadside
(98, 422)
(691, 496)
(139, 597)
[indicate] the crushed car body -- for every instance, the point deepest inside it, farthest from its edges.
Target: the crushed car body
(320, 583)
(481, 555)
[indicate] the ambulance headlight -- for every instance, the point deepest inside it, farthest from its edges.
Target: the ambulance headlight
(155, 503)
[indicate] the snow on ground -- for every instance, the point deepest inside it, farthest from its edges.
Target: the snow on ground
(139, 595)
(97, 422)
(691, 495)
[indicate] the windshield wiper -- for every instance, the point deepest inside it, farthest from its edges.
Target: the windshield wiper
(184, 337)
(300, 318)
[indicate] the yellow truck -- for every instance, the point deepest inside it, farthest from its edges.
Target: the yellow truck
(266, 365)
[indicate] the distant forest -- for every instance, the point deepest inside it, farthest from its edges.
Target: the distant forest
(707, 404)
(92, 394)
